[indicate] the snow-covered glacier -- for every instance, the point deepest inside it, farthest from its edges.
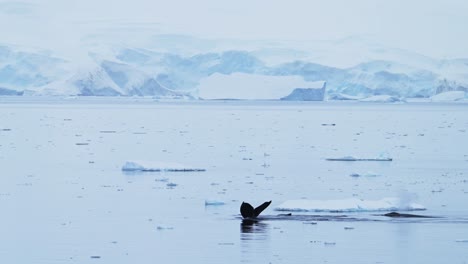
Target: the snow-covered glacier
(244, 86)
(227, 74)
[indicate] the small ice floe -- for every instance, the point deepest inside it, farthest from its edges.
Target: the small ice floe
(349, 205)
(351, 158)
(171, 185)
(369, 174)
(348, 228)
(461, 240)
(329, 243)
(162, 179)
(381, 99)
(157, 166)
(107, 131)
(164, 228)
(214, 203)
(226, 244)
(342, 97)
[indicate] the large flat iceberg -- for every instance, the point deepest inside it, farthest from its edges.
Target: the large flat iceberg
(349, 205)
(157, 166)
(243, 86)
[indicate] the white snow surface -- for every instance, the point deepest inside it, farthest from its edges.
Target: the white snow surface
(157, 166)
(349, 205)
(245, 86)
(121, 70)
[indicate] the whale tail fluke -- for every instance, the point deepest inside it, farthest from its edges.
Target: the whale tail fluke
(260, 209)
(247, 210)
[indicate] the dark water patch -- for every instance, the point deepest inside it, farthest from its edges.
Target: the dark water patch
(313, 219)
(308, 218)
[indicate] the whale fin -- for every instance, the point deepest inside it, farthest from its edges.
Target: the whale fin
(260, 208)
(247, 210)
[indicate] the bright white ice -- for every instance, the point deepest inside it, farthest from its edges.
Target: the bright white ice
(349, 205)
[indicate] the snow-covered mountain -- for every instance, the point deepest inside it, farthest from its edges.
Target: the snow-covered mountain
(134, 71)
(245, 86)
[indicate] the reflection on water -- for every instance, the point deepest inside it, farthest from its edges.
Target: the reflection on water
(254, 236)
(253, 230)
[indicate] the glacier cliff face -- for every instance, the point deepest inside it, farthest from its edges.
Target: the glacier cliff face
(143, 72)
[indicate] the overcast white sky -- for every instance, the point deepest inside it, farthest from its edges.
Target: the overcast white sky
(436, 28)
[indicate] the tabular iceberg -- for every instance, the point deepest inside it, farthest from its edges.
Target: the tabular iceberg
(349, 205)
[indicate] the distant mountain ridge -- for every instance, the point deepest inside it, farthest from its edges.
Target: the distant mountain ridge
(144, 72)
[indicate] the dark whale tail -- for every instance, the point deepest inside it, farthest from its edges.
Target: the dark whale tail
(247, 210)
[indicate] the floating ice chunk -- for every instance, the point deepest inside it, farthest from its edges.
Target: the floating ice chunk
(214, 203)
(351, 158)
(164, 228)
(381, 99)
(462, 240)
(340, 96)
(349, 205)
(156, 166)
(369, 174)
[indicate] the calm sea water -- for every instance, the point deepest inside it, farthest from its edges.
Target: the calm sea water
(64, 198)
